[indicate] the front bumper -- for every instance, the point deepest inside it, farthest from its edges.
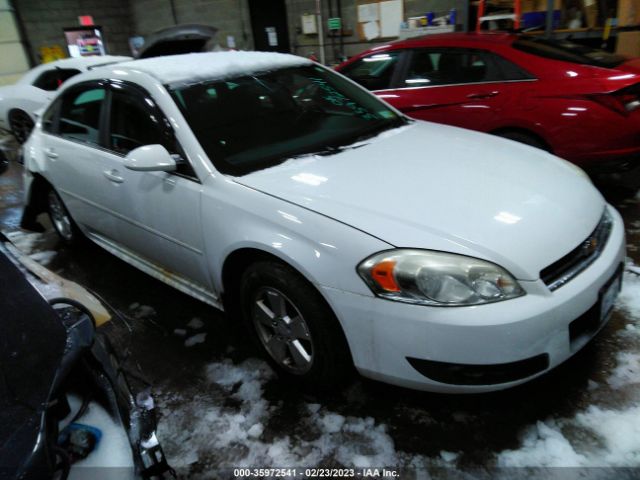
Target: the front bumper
(386, 337)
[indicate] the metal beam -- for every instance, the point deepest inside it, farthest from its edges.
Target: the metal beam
(548, 31)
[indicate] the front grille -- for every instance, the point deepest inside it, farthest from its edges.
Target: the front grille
(578, 259)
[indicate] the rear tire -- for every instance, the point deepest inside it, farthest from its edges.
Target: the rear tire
(61, 220)
(293, 327)
(21, 125)
(525, 138)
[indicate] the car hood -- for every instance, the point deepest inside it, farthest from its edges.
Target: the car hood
(187, 38)
(444, 188)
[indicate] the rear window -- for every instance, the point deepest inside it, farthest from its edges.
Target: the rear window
(52, 79)
(567, 51)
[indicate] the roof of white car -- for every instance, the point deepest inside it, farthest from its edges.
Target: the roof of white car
(195, 67)
(85, 62)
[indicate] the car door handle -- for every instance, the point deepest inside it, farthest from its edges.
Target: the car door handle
(483, 94)
(113, 176)
(51, 153)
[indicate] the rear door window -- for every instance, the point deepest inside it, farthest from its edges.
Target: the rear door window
(374, 72)
(80, 115)
(52, 79)
(429, 67)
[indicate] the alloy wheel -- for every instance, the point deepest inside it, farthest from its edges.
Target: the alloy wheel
(59, 216)
(282, 330)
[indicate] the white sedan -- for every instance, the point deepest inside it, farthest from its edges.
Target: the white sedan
(340, 232)
(18, 102)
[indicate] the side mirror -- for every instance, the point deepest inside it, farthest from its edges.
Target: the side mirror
(150, 158)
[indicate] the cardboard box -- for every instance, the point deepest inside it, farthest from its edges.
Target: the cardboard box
(539, 5)
(628, 44)
(628, 13)
(590, 12)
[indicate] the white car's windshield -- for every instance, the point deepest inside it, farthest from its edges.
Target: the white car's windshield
(254, 122)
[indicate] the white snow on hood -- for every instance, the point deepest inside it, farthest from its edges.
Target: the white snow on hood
(194, 67)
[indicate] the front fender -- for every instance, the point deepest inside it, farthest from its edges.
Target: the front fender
(326, 252)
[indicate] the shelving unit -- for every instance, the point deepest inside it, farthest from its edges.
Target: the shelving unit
(588, 34)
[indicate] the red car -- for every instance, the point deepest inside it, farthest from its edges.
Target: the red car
(579, 103)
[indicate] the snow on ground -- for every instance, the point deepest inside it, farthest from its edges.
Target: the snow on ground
(44, 257)
(27, 243)
(32, 244)
(195, 323)
(141, 311)
(627, 371)
(231, 417)
(629, 299)
(239, 432)
(195, 339)
(614, 433)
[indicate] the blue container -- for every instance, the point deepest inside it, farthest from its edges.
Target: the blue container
(430, 16)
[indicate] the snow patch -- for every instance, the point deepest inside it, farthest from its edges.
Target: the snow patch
(195, 339)
(180, 332)
(44, 257)
(627, 372)
(195, 67)
(629, 298)
(195, 323)
(332, 422)
(449, 457)
(27, 243)
(140, 312)
(233, 419)
(544, 444)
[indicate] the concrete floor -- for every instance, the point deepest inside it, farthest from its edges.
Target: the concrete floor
(414, 430)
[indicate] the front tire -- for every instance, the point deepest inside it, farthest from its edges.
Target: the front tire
(61, 220)
(21, 125)
(293, 326)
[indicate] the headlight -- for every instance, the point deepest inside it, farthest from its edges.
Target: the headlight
(436, 278)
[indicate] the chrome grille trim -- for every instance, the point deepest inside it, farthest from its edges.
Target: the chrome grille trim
(568, 267)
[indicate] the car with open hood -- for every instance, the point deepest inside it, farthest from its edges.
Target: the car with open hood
(339, 231)
(183, 38)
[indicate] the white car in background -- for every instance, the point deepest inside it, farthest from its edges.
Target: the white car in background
(339, 231)
(18, 102)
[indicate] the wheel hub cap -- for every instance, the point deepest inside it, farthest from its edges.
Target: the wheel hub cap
(282, 330)
(59, 217)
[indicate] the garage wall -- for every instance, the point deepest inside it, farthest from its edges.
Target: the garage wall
(13, 60)
(120, 19)
(45, 19)
(232, 18)
(305, 44)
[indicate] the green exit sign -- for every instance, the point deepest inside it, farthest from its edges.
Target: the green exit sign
(335, 23)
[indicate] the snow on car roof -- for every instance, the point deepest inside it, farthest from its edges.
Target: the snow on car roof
(83, 62)
(194, 67)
